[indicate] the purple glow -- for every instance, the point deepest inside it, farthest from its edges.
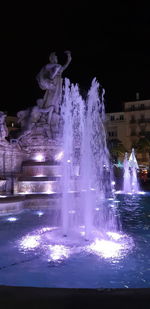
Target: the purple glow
(111, 245)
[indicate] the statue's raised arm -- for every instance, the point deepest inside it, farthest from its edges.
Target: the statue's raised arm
(68, 53)
(47, 75)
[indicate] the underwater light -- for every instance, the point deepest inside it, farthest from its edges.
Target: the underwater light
(141, 192)
(30, 242)
(12, 219)
(106, 248)
(40, 213)
(58, 252)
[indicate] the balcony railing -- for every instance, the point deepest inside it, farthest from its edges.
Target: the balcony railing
(133, 121)
(138, 108)
(115, 120)
(144, 120)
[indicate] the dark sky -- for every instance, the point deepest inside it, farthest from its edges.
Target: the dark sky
(110, 42)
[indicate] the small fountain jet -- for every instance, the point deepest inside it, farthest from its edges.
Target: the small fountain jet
(133, 166)
(130, 180)
(127, 188)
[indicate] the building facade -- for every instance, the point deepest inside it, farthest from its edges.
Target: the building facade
(130, 125)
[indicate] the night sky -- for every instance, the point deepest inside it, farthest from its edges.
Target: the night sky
(110, 43)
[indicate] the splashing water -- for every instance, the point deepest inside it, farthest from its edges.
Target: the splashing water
(127, 177)
(84, 144)
(130, 184)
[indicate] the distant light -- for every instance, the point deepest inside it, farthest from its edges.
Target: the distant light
(49, 191)
(92, 189)
(12, 219)
(40, 213)
(71, 211)
(82, 233)
(97, 209)
(25, 192)
(39, 175)
(113, 182)
(39, 157)
(59, 156)
(68, 161)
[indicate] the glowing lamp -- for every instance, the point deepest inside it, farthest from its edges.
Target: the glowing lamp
(39, 157)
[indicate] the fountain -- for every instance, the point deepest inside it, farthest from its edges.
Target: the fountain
(63, 184)
(134, 166)
(130, 183)
(85, 146)
(127, 176)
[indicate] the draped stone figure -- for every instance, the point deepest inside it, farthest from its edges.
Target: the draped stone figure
(50, 80)
(3, 127)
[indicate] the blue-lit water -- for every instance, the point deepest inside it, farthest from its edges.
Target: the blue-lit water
(25, 262)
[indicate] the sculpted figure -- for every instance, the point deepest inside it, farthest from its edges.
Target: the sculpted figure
(3, 127)
(22, 118)
(50, 80)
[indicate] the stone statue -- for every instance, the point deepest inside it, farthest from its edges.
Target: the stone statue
(3, 127)
(44, 116)
(50, 80)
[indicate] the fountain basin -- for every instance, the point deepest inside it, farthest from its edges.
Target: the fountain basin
(33, 255)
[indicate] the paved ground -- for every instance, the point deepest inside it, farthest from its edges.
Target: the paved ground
(28, 297)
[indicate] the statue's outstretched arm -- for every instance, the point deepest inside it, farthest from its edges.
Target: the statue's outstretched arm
(68, 53)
